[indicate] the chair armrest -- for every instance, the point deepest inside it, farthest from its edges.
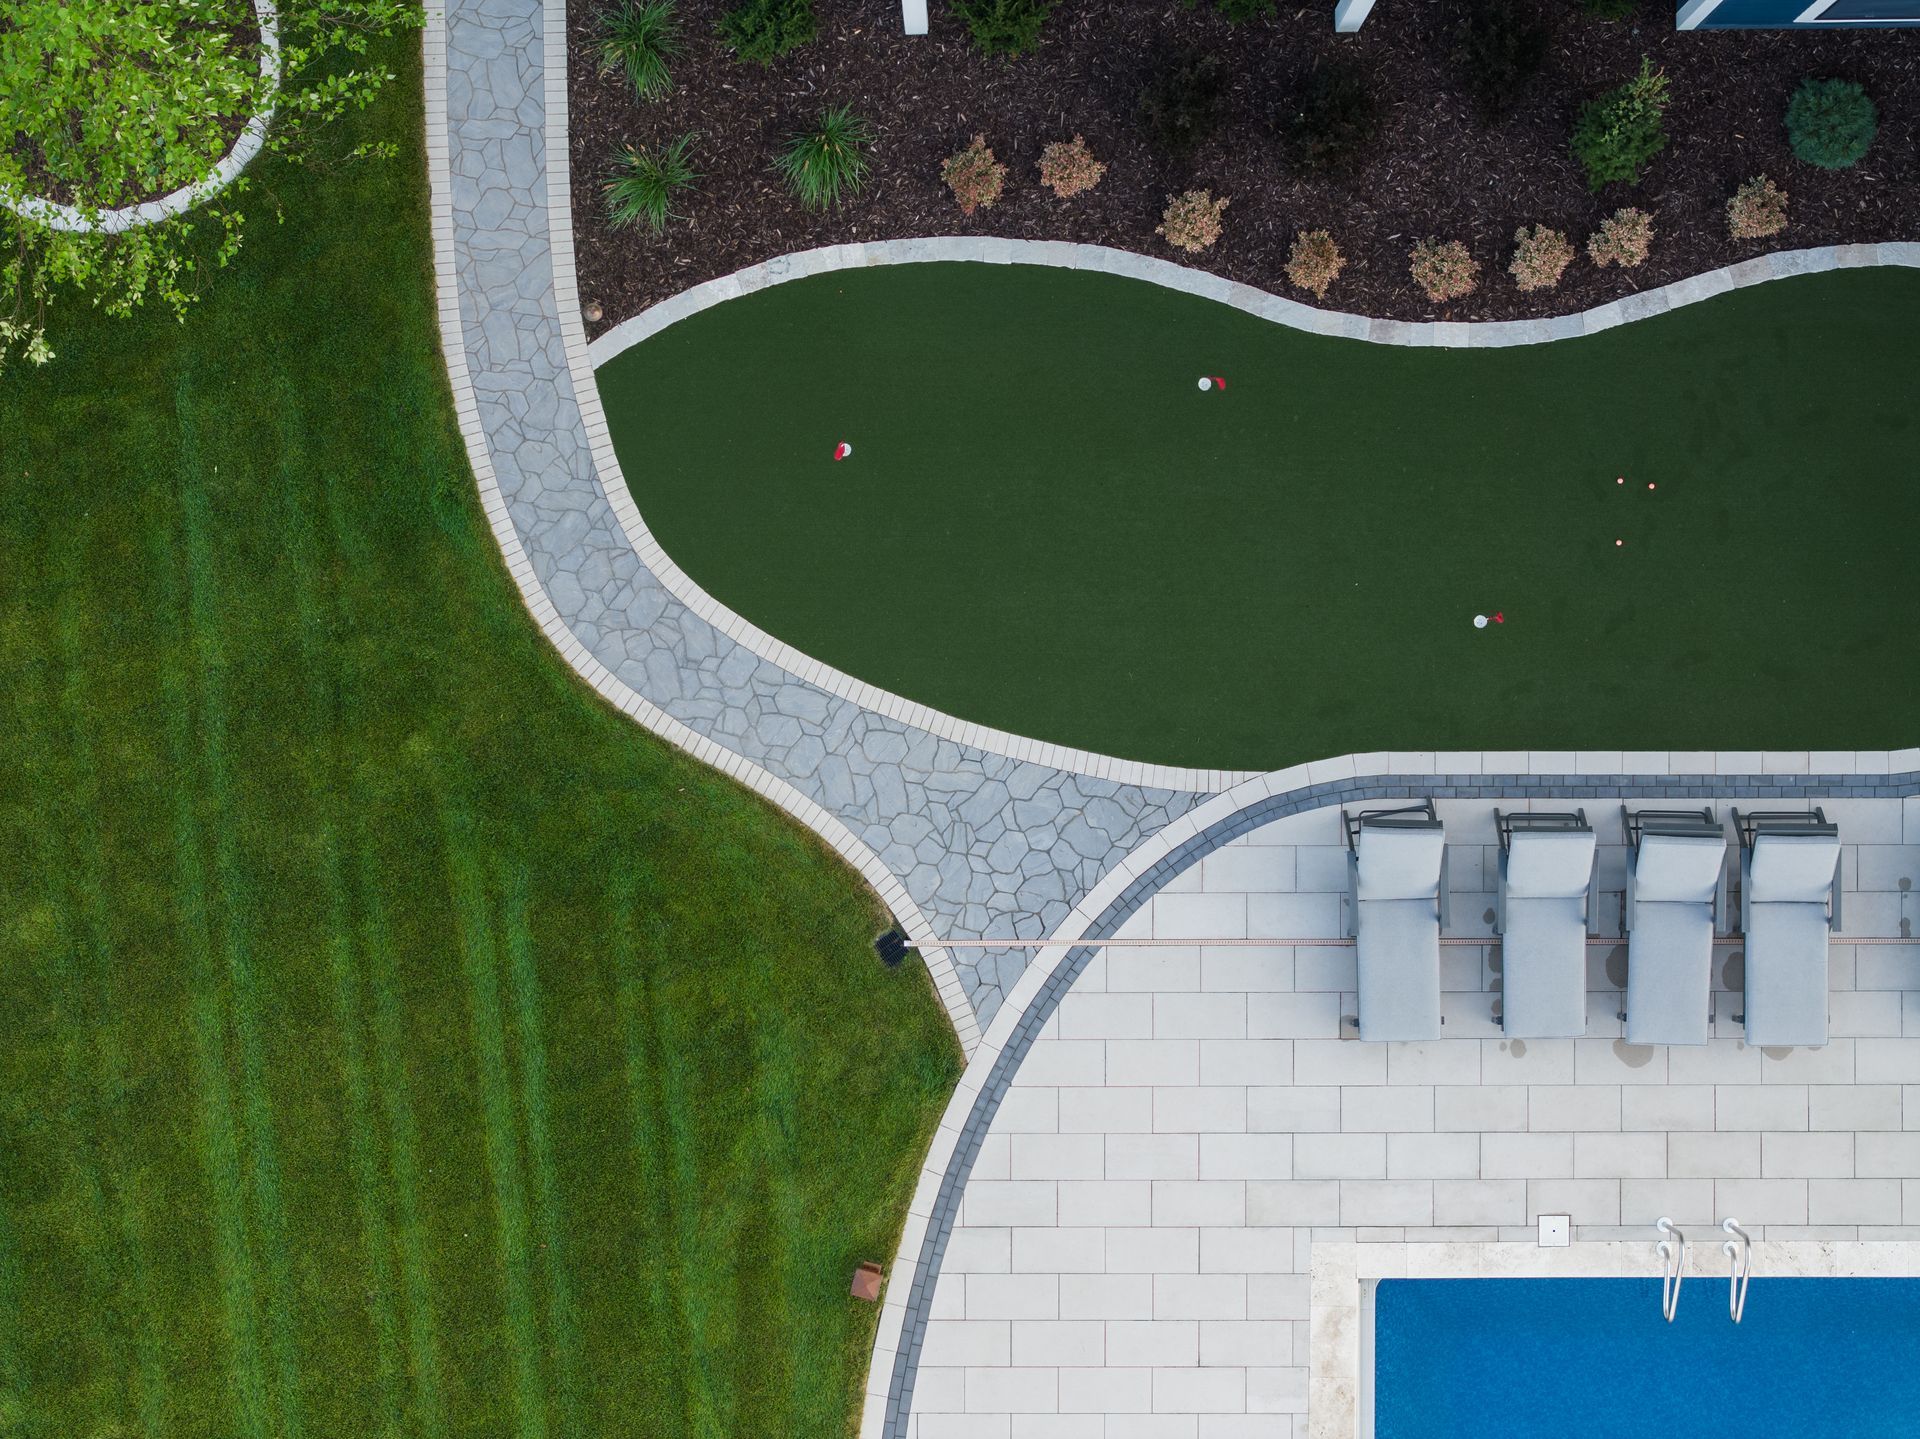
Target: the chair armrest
(1833, 910)
(1446, 896)
(1500, 896)
(1353, 895)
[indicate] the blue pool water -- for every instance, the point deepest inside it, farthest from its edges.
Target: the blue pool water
(1593, 1359)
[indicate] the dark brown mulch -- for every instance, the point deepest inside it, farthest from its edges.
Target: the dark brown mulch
(1436, 169)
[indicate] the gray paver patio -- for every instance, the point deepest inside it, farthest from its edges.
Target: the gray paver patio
(1132, 1247)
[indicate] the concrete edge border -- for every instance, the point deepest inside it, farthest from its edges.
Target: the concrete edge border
(946, 980)
(253, 136)
(1068, 255)
(1217, 821)
(1341, 1275)
(583, 359)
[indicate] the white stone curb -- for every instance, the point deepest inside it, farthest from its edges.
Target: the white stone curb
(149, 212)
(1065, 255)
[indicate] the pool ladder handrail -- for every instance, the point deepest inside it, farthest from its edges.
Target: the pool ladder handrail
(1739, 1249)
(1674, 1263)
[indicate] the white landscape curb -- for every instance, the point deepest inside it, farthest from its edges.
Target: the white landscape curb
(1065, 255)
(150, 212)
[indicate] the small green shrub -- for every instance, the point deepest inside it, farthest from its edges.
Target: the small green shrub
(1540, 257)
(761, 30)
(643, 188)
(1445, 270)
(827, 164)
(1336, 118)
(1757, 209)
(1314, 262)
(1830, 123)
(1611, 9)
(1191, 221)
(1067, 168)
(1625, 238)
(1181, 105)
(638, 39)
(1499, 45)
(1619, 133)
(1003, 27)
(974, 176)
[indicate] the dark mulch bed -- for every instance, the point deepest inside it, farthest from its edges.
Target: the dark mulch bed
(1437, 169)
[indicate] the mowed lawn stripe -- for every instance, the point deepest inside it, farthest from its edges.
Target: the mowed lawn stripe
(326, 687)
(219, 1130)
(480, 962)
(427, 1404)
(238, 898)
(97, 975)
(670, 1383)
(562, 1322)
(85, 1376)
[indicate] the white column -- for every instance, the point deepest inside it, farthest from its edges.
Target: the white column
(913, 16)
(1350, 15)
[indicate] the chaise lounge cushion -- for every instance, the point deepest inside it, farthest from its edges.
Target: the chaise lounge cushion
(1787, 974)
(1669, 973)
(1792, 868)
(1399, 863)
(1679, 867)
(1399, 954)
(1548, 864)
(1543, 968)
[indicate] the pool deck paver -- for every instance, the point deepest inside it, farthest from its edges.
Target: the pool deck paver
(1133, 1248)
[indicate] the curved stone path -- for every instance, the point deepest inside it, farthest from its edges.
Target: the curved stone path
(964, 831)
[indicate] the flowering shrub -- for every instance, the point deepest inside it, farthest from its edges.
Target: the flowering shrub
(1624, 238)
(974, 176)
(1067, 168)
(1540, 257)
(1314, 262)
(1757, 209)
(1192, 220)
(1443, 269)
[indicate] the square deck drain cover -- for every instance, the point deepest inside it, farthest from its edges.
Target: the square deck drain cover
(1556, 1231)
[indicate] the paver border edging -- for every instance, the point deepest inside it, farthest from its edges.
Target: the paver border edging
(1070, 255)
(850, 847)
(253, 136)
(1218, 821)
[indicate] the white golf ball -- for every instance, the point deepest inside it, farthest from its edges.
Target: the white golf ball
(1479, 622)
(1205, 383)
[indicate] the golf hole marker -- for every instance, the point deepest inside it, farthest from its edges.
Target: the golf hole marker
(842, 450)
(1208, 382)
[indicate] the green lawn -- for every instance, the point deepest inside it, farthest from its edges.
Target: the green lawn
(1047, 527)
(398, 1042)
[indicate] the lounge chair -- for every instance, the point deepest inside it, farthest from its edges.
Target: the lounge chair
(1543, 914)
(1397, 893)
(1789, 901)
(1676, 894)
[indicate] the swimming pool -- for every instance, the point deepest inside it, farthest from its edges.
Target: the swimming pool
(1532, 1358)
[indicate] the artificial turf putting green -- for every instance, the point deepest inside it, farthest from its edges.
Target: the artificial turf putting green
(397, 1041)
(1047, 527)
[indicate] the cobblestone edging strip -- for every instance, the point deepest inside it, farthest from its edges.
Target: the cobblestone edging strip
(959, 838)
(1354, 779)
(253, 136)
(1478, 334)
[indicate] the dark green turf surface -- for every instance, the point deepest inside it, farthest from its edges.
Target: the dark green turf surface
(397, 1041)
(1046, 526)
